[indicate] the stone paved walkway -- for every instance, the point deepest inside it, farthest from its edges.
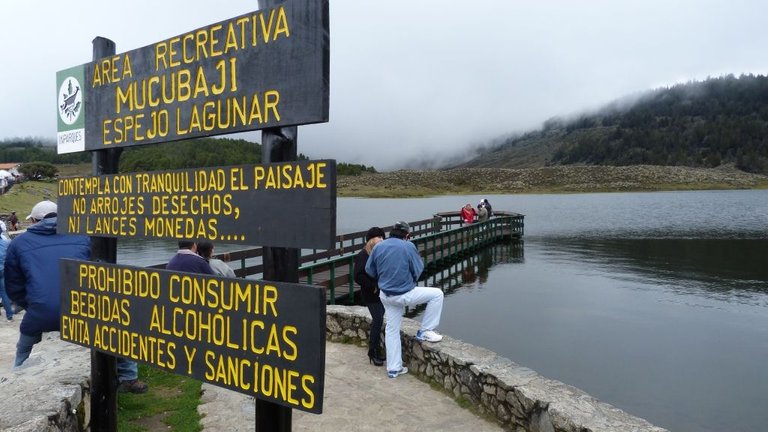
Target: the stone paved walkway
(358, 397)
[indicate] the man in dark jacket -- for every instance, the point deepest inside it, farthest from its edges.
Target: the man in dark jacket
(370, 293)
(187, 260)
(32, 281)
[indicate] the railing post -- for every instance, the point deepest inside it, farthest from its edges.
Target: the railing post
(351, 277)
(332, 283)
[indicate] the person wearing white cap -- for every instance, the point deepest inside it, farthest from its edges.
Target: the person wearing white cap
(32, 282)
(41, 210)
(32, 274)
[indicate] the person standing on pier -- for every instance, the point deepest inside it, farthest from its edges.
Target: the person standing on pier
(482, 213)
(487, 206)
(370, 293)
(397, 266)
(468, 214)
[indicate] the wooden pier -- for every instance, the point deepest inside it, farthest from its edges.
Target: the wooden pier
(441, 240)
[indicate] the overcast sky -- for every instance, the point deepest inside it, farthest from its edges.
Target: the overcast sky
(415, 79)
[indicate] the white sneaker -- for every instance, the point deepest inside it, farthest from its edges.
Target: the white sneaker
(429, 336)
(395, 374)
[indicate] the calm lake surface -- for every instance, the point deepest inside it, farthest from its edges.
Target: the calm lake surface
(656, 303)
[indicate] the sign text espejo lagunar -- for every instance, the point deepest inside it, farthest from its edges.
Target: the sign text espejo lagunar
(268, 68)
(286, 204)
(260, 338)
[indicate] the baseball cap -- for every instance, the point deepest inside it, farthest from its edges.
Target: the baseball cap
(375, 232)
(41, 209)
(402, 226)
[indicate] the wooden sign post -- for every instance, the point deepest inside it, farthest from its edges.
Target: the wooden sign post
(266, 70)
(103, 366)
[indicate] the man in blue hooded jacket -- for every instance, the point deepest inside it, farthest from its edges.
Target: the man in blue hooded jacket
(32, 281)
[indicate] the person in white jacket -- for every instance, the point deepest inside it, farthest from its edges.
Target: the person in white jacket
(205, 249)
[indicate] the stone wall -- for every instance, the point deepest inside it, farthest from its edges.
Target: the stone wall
(50, 392)
(518, 398)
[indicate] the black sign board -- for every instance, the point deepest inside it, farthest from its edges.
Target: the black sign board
(288, 204)
(268, 68)
(263, 339)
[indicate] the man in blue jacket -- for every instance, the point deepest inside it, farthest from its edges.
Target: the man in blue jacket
(397, 265)
(32, 281)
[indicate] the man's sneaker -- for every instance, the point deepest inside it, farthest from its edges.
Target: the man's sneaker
(429, 336)
(132, 386)
(395, 374)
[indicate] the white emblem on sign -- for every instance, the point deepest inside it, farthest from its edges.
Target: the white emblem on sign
(70, 100)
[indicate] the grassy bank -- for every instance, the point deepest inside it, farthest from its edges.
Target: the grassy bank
(559, 179)
(23, 196)
(423, 192)
(169, 405)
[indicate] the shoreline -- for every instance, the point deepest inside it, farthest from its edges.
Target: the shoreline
(564, 179)
(545, 180)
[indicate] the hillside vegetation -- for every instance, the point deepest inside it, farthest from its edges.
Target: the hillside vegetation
(698, 124)
(194, 153)
(554, 179)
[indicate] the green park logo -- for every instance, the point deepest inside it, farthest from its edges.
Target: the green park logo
(70, 106)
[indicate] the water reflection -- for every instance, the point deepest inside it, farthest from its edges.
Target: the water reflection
(473, 269)
(730, 269)
(470, 272)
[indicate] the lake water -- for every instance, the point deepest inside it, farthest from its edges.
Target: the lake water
(656, 303)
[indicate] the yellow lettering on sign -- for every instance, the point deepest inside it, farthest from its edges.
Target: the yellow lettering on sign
(222, 39)
(290, 176)
(75, 330)
(287, 385)
(110, 70)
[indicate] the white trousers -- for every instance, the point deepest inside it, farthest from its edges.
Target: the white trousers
(394, 308)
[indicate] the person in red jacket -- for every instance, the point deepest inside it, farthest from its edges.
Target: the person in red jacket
(468, 214)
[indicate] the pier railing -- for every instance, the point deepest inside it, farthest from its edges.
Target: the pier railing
(440, 240)
(247, 262)
(447, 240)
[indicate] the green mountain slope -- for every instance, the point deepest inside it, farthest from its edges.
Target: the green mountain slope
(698, 124)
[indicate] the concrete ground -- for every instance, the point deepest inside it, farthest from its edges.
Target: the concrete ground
(358, 397)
